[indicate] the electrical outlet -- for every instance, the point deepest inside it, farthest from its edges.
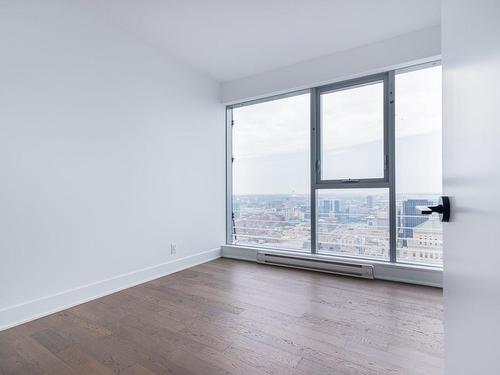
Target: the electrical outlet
(173, 248)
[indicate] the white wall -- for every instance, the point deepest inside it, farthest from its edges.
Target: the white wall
(471, 166)
(420, 46)
(109, 151)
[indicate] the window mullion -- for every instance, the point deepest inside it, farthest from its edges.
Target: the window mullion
(229, 176)
(314, 165)
(391, 130)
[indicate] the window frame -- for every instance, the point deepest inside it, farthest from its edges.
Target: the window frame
(316, 182)
(230, 156)
(318, 133)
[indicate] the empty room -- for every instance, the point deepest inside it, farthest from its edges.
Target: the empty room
(233, 187)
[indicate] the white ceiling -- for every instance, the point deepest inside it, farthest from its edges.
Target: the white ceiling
(231, 39)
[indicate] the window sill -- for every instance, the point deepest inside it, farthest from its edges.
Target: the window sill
(400, 272)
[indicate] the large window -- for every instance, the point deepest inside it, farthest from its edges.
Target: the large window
(271, 189)
(418, 164)
(341, 169)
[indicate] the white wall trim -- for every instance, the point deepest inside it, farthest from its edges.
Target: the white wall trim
(37, 308)
(406, 273)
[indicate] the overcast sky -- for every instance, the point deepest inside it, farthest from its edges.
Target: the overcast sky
(271, 140)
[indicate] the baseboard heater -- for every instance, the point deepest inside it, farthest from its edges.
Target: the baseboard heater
(316, 264)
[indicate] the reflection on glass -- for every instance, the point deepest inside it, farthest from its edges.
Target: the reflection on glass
(353, 222)
(418, 165)
(352, 126)
(271, 202)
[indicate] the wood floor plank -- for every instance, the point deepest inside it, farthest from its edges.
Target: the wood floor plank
(137, 369)
(229, 317)
(38, 356)
(228, 362)
(262, 356)
(82, 362)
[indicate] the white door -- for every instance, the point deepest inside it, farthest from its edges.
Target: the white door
(471, 167)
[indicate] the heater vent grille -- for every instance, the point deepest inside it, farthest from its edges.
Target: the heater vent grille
(317, 264)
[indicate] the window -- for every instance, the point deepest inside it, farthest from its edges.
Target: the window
(271, 203)
(353, 222)
(341, 169)
(352, 129)
(418, 161)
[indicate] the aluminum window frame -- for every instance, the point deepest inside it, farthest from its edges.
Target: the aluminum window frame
(316, 182)
(318, 133)
(230, 159)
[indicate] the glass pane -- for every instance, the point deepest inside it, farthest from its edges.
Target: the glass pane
(418, 165)
(271, 143)
(353, 222)
(352, 139)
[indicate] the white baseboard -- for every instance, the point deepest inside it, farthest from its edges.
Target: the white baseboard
(406, 273)
(37, 308)
(239, 253)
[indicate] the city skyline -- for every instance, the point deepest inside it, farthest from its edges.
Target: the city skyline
(351, 225)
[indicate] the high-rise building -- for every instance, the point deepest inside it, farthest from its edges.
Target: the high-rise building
(327, 205)
(411, 216)
(336, 206)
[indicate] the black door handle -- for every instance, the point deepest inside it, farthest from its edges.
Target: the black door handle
(443, 209)
(427, 210)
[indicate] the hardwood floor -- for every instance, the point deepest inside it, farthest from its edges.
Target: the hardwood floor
(233, 317)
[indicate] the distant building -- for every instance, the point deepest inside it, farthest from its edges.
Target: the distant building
(343, 216)
(327, 205)
(369, 201)
(336, 206)
(340, 216)
(382, 218)
(427, 243)
(411, 216)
